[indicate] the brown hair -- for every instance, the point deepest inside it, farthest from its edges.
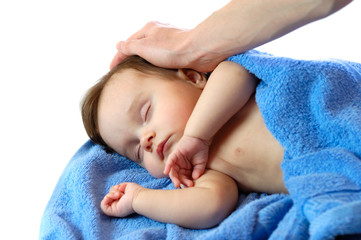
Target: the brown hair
(89, 103)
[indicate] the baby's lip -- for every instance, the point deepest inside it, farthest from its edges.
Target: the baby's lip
(161, 147)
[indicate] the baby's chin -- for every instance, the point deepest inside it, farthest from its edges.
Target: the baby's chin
(158, 174)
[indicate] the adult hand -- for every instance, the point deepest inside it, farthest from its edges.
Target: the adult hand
(187, 161)
(166, 46)
(237, 27)
(156, 42)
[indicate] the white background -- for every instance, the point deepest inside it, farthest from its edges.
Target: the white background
(52, 51)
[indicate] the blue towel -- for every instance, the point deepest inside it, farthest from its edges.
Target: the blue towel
(313, 108)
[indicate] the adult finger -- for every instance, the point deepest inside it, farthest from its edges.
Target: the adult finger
(134, 47)
(144, 30)
(118, 57)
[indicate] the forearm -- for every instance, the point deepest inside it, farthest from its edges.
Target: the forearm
(226, 92)
(245, 24)
(201, 206)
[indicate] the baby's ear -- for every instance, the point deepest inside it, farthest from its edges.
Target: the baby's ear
(196, 78)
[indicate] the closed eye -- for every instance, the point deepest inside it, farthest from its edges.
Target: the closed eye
(146, 111)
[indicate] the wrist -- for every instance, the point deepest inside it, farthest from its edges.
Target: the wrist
(205, 141)
(189, 49)
(199, 132)
(135, 200)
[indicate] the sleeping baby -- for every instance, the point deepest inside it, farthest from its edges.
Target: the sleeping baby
(207, 135)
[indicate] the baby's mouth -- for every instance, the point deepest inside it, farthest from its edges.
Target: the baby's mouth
(161, 148)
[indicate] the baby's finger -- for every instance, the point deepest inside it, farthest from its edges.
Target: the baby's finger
(122, 187)
(198, 170)
(186, 181)
(114, 188)
(173, 175)
(169, 164)
(107, 206)
(115, 195)
(107, 201)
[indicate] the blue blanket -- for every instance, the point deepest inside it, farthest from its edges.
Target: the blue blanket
(313, 108)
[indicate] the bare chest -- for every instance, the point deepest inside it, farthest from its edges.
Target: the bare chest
(245, 150)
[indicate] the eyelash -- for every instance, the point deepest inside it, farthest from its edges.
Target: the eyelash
(145, 119)
(147, 113)
(138, 153)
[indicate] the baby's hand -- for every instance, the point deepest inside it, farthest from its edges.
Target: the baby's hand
(189, 153)
(118, 202)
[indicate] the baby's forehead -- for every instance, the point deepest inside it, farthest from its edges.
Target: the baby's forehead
(131, 81)
(129, 74)
(123, 81)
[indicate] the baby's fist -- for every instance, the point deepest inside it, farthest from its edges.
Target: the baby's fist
(119, 201)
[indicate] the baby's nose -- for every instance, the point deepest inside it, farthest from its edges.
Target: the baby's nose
(147, 142)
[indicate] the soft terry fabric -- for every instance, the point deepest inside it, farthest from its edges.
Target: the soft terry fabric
(312, 107)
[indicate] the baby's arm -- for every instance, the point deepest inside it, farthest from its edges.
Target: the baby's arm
(228, 89)
(206, 204)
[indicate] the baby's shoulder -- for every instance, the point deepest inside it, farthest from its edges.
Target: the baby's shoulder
(230, 67)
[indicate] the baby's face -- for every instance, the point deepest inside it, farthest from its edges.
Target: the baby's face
(143, 116)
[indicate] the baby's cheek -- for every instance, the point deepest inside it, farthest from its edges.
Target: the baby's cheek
(156, 170)
(158, 174)
(154, 167)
